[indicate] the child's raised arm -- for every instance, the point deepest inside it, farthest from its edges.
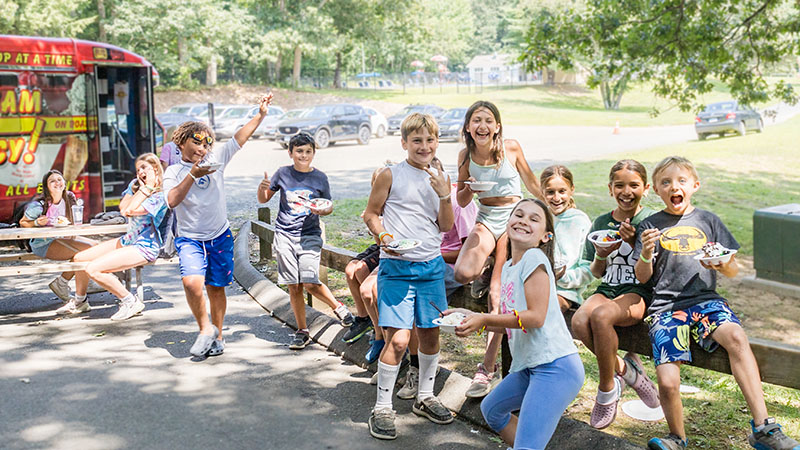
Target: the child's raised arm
(264, 193)
(249, 128)
(528, 177)
(644, 266)
(377, 198)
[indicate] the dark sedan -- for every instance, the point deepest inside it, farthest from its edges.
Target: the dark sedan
(397, 119)
(328, 123)
(720, 118)
(451, 123)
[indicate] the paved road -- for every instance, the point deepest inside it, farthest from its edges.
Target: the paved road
(89, 383)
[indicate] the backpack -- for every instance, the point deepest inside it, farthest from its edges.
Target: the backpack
(19, 213)
(166, 235)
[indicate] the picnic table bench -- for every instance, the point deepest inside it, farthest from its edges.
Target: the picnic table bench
(778, 363)
(31, 264)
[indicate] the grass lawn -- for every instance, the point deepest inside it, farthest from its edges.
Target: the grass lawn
(738, 175)
(548, 105)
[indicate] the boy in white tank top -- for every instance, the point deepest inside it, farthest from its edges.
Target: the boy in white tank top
(415, 201)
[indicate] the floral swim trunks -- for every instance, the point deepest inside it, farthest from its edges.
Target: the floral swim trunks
(670, 330)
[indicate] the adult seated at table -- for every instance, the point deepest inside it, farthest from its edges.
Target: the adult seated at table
(53, 207)
(144, 205)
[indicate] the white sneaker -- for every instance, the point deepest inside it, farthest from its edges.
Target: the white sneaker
(374, 379)
(128, 310)
(483, 382)
(73, 307)
(410, 387)
(60, 287)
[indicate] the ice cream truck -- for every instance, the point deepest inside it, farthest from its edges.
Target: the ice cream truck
(84, 108)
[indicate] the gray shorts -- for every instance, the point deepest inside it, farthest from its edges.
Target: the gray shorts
(298, 258)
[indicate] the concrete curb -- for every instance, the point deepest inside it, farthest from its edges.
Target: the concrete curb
(451, 386)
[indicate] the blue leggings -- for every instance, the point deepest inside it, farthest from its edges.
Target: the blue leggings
(541, 394)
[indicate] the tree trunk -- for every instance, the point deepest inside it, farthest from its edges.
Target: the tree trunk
(211, 71)
(337, 75)
(182, 50)
(298, 55)
(278, 69)
(101, 19)
(612, 91)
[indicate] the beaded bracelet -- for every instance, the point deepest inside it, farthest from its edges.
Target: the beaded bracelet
(480, 332)
(519, 320)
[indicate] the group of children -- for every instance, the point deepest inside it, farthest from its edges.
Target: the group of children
(543, 263)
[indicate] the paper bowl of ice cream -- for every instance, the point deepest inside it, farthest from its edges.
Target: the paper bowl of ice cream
(403, 245)
(319, 204)
(480, 186)
(714, 254)
(604, 238)
(449, 322)
(61, 221)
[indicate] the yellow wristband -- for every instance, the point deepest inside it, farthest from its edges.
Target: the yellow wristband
(648, 261)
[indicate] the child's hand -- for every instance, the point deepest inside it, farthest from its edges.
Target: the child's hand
(42, 221)
(265, 183)
(439, 182)
(150, 178)
(603, 252)
(627, 232)
(469, 186)
(649, 239)
(471, 324)
(200, 171)
(263, 103)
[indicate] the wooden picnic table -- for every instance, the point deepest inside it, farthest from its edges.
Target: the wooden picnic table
(12, 234)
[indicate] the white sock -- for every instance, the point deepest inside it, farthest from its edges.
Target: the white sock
(80, 298)
(607, 398)
(387, 377)
(427, 374)
(630, 373)
(128, 298)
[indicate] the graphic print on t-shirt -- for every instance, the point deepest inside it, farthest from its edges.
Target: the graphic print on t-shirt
(296, 200)
(620, 267)
(683, 239)
(507, 303)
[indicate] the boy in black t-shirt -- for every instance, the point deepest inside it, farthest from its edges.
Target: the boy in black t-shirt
(668, 245)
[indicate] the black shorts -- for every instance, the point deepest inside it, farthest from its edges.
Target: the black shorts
(371, 257)
(612, 292)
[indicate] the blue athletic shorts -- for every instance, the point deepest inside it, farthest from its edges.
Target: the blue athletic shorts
(406, 290)
(212, 259)
(670, 330)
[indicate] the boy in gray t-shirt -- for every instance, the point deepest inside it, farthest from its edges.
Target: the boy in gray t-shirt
(669, 248)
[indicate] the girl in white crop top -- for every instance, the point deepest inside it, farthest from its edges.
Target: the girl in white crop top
(487, 157)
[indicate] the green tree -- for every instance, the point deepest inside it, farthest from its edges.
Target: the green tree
(680, 45)
(51, 18)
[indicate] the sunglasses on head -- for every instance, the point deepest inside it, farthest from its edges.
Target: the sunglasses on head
(199, 139)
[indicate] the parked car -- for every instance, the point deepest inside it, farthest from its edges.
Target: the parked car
(721, 117)
(236, 116)
(200, 110)
(328, 123)
(451, 123)
(397, 119)
(378, 122)
(271, 128)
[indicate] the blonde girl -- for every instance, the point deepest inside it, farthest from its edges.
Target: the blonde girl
(144, 205)
(572, 226)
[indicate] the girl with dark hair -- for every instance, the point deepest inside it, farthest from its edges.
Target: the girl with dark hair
(572, 225)
(620, 300)
(50, 208)
(488, 157)
(546, 372)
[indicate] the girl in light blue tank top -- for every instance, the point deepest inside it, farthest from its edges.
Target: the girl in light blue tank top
(487, 157)
(546, 372)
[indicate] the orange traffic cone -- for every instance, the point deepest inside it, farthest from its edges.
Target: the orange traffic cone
(616, 128)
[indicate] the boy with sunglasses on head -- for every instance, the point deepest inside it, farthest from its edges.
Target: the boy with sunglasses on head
(195, 190)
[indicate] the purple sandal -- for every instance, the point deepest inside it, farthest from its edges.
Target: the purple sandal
(643, 386)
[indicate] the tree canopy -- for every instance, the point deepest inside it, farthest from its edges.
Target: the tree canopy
(679, 45)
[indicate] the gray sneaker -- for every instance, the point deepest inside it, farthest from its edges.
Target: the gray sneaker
(73, 307)
(217, 347)
(344, 315)
(128, 310)
(60, 288)
(433, 409)
(301, 340)
(771, 437)
(409, 389)
(381, 424)
(94, 288)
(203, 343)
